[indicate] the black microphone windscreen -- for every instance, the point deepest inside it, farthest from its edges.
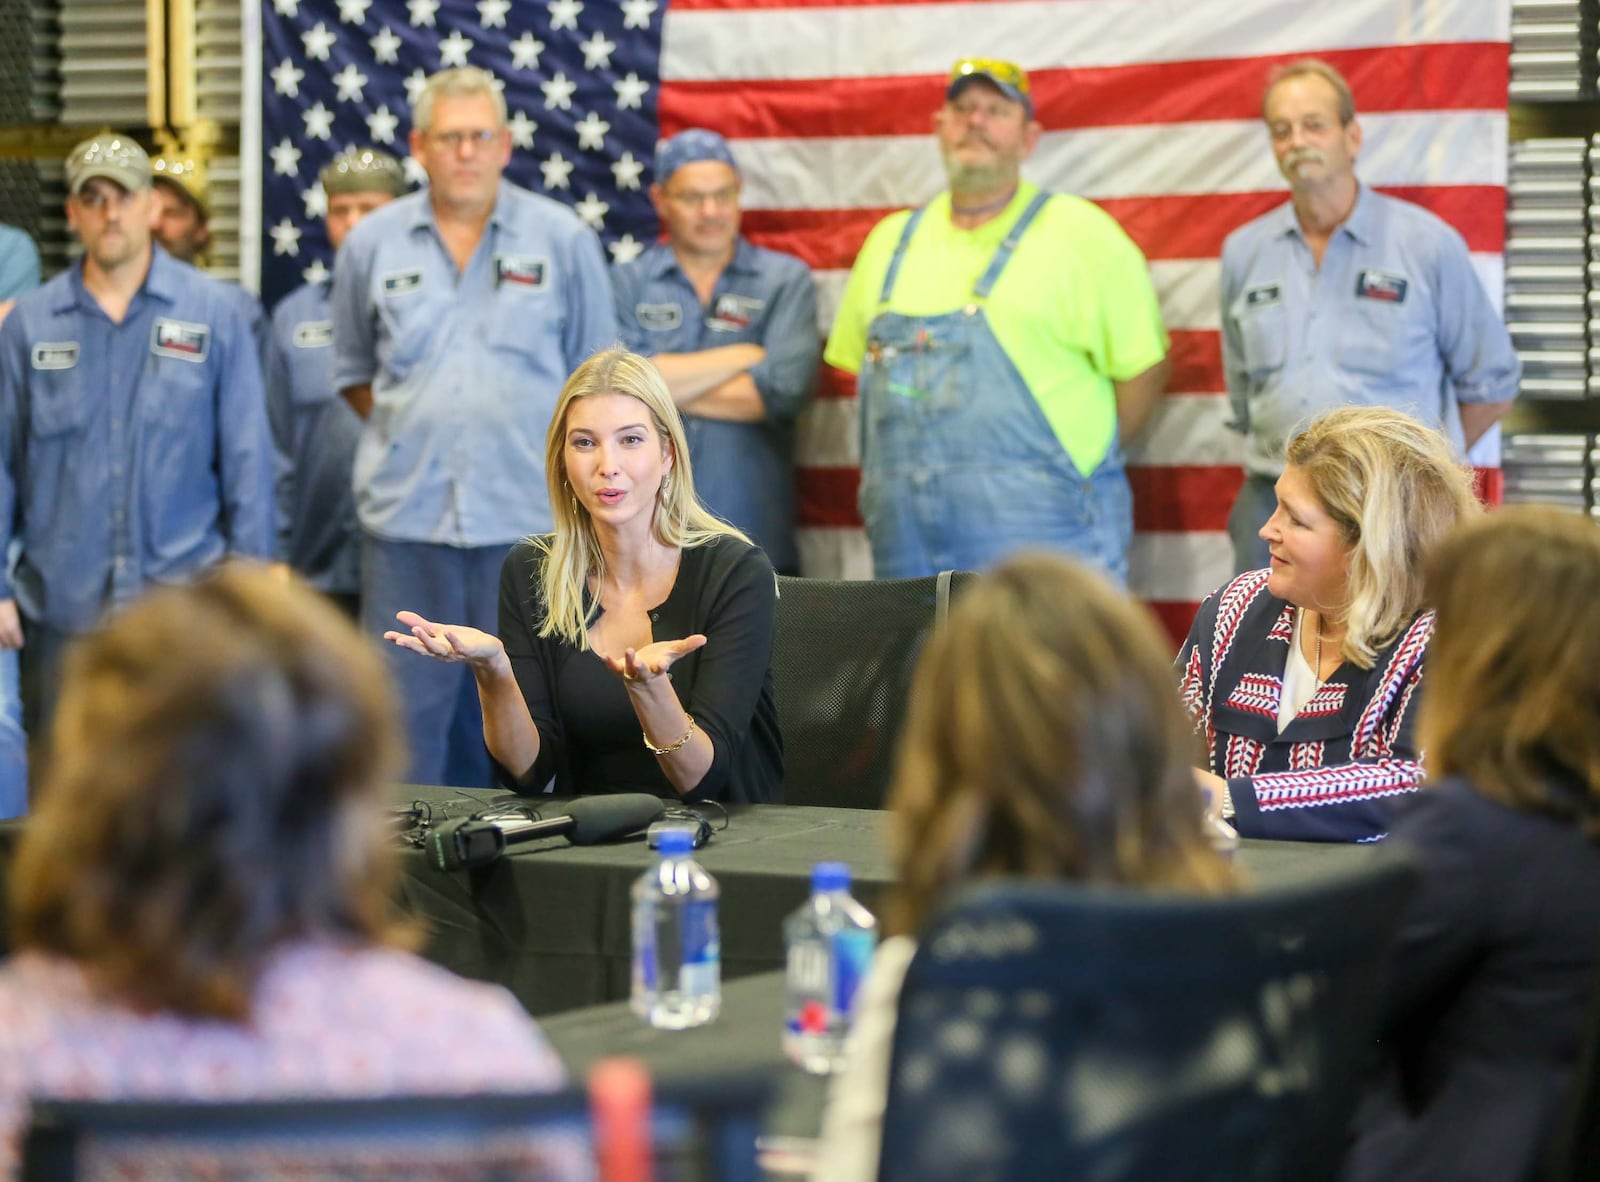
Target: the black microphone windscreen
(606, 818)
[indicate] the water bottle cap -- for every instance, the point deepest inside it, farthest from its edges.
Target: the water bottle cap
(675, 841)
(830, 876)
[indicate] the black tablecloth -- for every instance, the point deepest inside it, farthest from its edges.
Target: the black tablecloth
(550, 921)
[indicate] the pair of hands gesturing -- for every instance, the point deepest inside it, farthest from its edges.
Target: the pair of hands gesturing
(459, 644)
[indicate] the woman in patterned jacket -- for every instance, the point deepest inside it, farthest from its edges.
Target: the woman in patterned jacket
(1303, 677)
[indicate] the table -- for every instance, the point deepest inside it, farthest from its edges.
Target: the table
(550, 921)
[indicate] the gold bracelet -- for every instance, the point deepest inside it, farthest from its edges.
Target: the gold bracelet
(687, 735)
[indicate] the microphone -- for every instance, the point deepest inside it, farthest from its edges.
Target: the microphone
(469, 843)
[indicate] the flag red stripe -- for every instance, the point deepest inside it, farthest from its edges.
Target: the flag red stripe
(1175, 618)
(1190, 226)
(1448, 76)
(1196, 357)
(827, 496)
(836, 383)
(1180, 498)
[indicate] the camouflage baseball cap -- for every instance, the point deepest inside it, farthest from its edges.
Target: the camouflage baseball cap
(363, 170)
(110, 154)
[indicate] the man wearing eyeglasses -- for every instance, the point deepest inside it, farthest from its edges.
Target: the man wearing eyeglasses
(733, 329)
(1007, 343)
(1343, 295)
(315, 429)
(134, 446)
(457, 314)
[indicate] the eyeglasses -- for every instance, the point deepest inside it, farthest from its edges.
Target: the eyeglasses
(454, 140)
(723, 198)
(100, 197)
(1008, 73)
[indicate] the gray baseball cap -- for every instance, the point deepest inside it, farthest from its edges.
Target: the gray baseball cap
(110, 154)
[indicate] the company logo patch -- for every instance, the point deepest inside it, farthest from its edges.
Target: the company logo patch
(658, 317)
(733, 312)
(180, 339)
(402, 282)
(55, 355)
(313, 334)
(1260, 297)
(519, 271)
(1383, 286)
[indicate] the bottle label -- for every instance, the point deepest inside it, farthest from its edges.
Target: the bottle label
(852, 957)
(702, 948)
(645, 967)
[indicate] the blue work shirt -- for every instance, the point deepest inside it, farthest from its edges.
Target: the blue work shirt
(131, 453)
(465, 367)
(1395, 316)
(744, 472)
(19, 263)
(316, 433)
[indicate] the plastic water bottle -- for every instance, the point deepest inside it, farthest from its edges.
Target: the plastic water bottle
(1224, 837)
(677, 952)
(829, 944)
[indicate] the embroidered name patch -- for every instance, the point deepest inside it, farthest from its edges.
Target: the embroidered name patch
(658, 317)
(313, 334)
(1260, 297)
(402, 282)
(1383, 286)
(518, 271)
(733, 312)
(180, 339)
(55, 355)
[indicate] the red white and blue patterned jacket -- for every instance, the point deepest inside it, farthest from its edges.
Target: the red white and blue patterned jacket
(1334, 772)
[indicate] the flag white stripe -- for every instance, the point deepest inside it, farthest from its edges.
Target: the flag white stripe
(828, 434)
(898, 40)
(874, 172)
(1188, 429)
(1179, 568)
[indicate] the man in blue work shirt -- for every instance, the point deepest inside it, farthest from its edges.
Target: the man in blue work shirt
(19, 273)
(134, 446)
(733, 330)
(314, 428)
(1346, 296)
(458, 313)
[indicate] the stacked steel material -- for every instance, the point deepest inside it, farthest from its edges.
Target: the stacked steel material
(1553, 48)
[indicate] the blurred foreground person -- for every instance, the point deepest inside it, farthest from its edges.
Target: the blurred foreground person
(1495, 967)
(201, 903)
(1303, 677)
(1044, 744)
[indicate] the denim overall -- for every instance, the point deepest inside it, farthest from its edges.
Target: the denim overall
(960, 467)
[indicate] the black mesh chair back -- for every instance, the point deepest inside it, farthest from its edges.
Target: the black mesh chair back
(700, 1130)
(1576, 1154)
(1055, 1031)
(841, 678)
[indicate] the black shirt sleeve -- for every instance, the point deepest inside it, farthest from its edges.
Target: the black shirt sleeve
(532, 663)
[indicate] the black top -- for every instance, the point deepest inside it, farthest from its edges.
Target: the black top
(1492, 982)
(589, 736)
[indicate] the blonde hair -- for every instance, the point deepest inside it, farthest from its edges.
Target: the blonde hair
(218, 762)
(1514, 664)
(462, 82)
(1044, 741)
(1312, 67)
(572, 552)
(1394, 489)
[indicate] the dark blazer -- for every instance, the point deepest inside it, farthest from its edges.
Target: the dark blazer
(1490, 993)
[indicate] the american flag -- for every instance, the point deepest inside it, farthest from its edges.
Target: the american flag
(1150, 107)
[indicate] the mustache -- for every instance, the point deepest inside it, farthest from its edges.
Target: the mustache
(1302, 156)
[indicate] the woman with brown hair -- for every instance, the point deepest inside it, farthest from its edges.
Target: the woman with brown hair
(201, 903)
(1495, 966)
(1042, 742)
(1303, 677)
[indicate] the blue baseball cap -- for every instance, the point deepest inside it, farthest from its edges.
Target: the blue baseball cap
(688, 147)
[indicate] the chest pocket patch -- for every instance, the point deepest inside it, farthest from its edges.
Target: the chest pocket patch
(55, 355)
(402, 282)
(313, 334)
(519, 271)
(180, 339)
(1260, 297)
(733, 312)
(1384, 286)
(658, 317)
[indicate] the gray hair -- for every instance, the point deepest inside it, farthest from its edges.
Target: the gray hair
(1311, 67)
(463, 82)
